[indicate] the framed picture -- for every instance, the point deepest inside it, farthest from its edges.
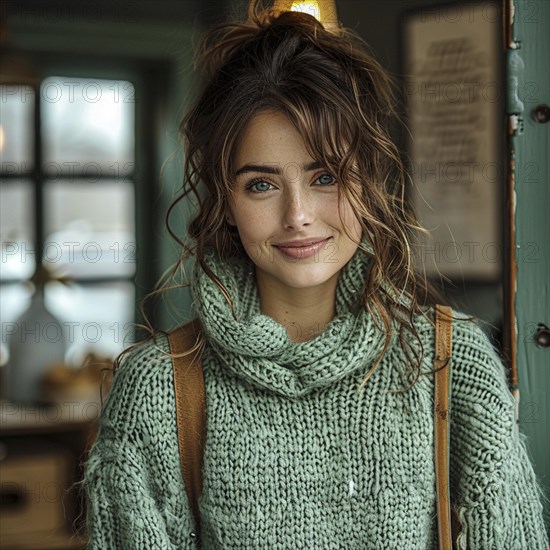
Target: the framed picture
(453, 64)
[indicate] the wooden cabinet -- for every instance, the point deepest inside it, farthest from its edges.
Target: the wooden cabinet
(42, 453)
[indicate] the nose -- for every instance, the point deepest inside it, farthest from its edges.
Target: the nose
(299, 208)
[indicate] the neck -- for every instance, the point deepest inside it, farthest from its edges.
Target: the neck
(304, 312)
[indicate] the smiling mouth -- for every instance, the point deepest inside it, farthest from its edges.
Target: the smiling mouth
(301, 252)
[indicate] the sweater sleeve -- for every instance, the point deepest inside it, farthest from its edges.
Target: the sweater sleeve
(498, 498)
(133, 487)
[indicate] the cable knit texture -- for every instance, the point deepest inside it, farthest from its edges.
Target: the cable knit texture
(296, 457)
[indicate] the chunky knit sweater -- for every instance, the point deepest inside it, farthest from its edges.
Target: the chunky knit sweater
(296, 457)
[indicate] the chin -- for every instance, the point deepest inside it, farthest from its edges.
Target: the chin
(302, 277)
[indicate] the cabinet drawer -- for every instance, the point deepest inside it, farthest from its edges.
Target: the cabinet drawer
(32, 492)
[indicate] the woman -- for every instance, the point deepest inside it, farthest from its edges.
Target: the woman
(318, 334)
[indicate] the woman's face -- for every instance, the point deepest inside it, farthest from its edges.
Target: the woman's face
(281, 197)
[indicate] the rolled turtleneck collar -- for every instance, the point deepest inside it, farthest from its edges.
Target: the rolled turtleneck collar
(258, 349)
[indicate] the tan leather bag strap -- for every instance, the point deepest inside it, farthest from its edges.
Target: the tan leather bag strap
(190, 410)
(443, 353)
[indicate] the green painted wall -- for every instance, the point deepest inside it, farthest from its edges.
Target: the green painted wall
(532, 187)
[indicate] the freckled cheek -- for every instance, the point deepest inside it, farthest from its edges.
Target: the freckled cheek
(256, 225)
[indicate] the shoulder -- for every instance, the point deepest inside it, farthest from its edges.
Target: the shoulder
(481, 380)
(142, 383)
(144, 363)
(479, 376)
(470, 338)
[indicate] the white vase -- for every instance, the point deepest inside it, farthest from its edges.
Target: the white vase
(36, 342)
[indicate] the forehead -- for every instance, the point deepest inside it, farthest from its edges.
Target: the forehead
(270, 137)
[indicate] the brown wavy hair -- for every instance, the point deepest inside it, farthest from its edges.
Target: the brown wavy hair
(342, 102)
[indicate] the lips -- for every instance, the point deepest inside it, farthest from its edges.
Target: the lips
(302, 249)
(302, 243)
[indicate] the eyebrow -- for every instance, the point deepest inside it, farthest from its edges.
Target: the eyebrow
(267, 169)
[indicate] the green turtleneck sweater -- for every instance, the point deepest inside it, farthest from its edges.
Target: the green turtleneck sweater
(295, 456)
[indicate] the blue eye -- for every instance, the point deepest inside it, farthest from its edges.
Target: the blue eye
(331, 182)
(257, 181)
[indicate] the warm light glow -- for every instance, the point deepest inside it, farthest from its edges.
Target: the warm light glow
(323, 10)
(307, 7)
(1, 138)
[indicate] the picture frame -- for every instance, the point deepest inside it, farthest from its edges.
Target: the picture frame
(453, 65)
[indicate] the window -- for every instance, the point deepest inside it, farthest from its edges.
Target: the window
(67, 200)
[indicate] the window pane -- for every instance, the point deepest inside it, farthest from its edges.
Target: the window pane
(17, 230)
(95, 318)
(16, 129)
(90, 229)
(87, 126)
